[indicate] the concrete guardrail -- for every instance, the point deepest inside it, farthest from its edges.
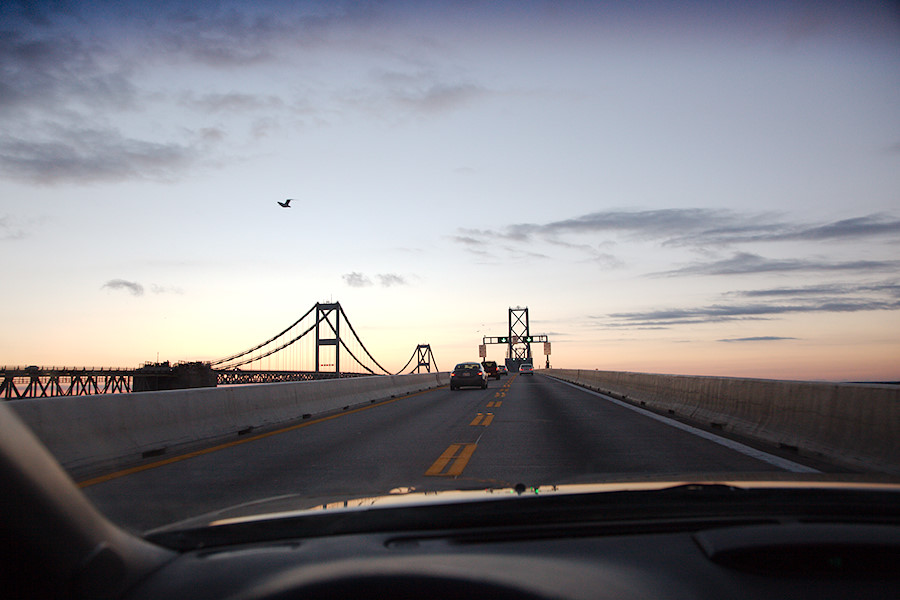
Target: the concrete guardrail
(91, 434)
(857, 425)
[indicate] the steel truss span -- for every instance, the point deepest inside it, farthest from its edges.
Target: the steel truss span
(31, 382)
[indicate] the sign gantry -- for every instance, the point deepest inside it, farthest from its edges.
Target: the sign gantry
(518, 341)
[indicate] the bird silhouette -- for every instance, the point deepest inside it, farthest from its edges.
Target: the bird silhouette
(286, 203)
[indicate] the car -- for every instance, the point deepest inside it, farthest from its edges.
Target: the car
(502, 370)
(491, 368)
(468, 374)
(526, 369)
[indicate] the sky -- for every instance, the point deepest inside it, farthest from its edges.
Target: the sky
(671, 187)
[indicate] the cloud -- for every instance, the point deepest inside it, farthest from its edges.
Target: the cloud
(836, 289)
(232, 102)
(53, 69)
(390, 279)
(468, 240)
(439, 97)
(718, 313)
(745, 263)
(696, 227)
(159, 289)
(135, 288)
(85, 154)
(763, 338)
(357, 280)
(9, 231)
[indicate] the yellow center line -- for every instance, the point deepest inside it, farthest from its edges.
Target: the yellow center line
(460, 452)
(440, 463)
(482, 419)
(180, 457)
(462, 460)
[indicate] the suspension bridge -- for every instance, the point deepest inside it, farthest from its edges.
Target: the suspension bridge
(314, 347)
(321, 344)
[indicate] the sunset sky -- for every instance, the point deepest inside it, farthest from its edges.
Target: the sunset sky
(668, 187)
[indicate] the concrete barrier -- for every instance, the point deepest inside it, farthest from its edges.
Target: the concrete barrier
(857, 425)
(91, 434)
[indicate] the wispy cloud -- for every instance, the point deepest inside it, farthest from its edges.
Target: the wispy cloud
(769, 303)
(9, 231)
(231, 102)
(359, 280)
(744, 263)
(356, 280)
(439, 97)
(136, 289)
(891, 288)
(391, 279)
(762, 338)
(696, 227)
(160, 289)
(91, 155)
(717, 313)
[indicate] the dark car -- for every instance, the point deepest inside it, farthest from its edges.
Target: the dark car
(526, 369)
(502, 370)
(490, 367)
(471, 374)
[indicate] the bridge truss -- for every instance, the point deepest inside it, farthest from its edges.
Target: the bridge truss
(33, 382)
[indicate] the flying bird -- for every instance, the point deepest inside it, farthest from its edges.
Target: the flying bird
(286, 203)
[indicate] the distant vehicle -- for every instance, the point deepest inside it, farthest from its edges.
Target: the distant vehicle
(468, 374)
(490, 367)
(502, 370)
(526, 369)
(32, 368)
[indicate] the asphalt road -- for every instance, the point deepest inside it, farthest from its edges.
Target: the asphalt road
(522, 429)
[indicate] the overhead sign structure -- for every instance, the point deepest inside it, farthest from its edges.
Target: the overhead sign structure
(518, 341)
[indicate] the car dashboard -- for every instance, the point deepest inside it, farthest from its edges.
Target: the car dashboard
(695, 547)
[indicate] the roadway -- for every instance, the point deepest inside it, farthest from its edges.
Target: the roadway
(533, 430)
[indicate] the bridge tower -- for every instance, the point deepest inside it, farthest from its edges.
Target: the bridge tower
(324, 314)
(519, 349)
(424, 358)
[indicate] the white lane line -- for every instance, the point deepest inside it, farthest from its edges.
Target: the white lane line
(781, 463)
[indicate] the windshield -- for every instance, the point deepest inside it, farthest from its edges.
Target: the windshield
(675, 226)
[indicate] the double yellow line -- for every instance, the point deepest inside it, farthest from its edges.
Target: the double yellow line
(455, 458)
(459, 454)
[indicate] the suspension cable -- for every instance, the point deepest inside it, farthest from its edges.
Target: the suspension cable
(363, 346)
(282, 347)
(257, 347)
